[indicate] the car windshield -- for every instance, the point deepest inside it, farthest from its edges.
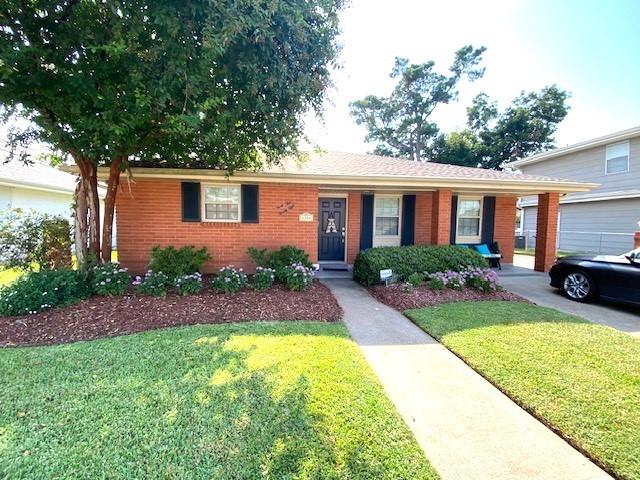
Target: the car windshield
(633, 253)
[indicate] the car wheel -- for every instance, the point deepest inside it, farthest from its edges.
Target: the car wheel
(578, 286)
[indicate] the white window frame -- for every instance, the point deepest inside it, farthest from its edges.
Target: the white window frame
(606, 158)
(469, 238)
(203, 202)
(387, 240)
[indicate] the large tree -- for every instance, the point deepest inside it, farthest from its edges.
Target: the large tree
(399, 124)
(525, 127)
(175, 82)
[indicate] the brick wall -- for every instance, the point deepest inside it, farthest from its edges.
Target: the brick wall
(441, 219)
(354, 205)
(546, 230)
(504, 226)
(424, 218)
(152, 215)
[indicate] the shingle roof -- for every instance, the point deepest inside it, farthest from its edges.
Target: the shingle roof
(353, 164)
(37, 175)
(40, 176)
(370, 171)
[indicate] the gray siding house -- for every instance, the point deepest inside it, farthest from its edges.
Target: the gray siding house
(604, 219)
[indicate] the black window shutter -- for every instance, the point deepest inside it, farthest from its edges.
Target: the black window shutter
(249, 203)
(488, 216)
(408, 220)
(366, 222)
(190, 201)
(454, 219)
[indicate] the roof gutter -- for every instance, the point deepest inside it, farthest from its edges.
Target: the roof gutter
(35, 186)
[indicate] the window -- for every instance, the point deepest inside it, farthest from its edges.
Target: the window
(469, 220)
(221, 203)
(617, 158)
(387, 216)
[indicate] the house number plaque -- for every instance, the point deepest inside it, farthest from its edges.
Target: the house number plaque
(306, 217)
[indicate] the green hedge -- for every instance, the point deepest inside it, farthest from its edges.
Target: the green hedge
(42, 290)
(407, 260)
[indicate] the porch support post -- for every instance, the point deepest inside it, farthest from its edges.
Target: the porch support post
(546, 230)
(504, 226)
(636, 240)
(441, 218)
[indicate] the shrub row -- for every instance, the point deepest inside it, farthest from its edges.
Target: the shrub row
(169, 269)
(482, 279)
(408, 260)
(38, 291)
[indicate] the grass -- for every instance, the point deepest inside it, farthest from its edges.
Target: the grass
(242, 401)
(8, 276)
(581, 378)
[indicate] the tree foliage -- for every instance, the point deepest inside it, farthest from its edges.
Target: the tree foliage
(32, 240)
(399, 124)
(165, 81)
(492, 138)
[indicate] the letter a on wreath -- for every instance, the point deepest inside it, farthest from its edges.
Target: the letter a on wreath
(331, 225)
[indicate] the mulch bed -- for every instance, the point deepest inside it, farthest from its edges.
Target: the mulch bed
(99, 317)
(423, 296)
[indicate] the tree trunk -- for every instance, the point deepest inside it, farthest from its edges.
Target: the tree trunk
(80, 227)
(109, 207)
(89, 177)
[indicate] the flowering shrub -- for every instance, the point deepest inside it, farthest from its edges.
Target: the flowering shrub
(153, 283)
(451, 279)
(188, 284)
(178, 261)
(31, 240)
(229, 280)
(436, 283)
(109, 279)
(38, 291)
(483, 279)
(298, 277)
(262, 279)
(415, 279)
(279, 260)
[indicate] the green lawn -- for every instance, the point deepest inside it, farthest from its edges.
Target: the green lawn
(582, 378)
(258, 400)
(7, 276)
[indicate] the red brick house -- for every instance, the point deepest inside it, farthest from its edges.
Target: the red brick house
(332, 205)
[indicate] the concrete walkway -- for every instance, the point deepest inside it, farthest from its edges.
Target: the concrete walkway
(467, 428)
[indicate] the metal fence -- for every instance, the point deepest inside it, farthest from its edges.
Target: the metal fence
(610, 243)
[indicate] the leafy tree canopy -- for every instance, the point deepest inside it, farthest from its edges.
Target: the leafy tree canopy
(176, 80)
(526, 127)
(399, 124)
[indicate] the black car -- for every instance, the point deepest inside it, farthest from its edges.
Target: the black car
(611, 277)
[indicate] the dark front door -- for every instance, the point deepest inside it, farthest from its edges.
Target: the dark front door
(331, 237)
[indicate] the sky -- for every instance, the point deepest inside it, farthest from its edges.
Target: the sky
(589, 47)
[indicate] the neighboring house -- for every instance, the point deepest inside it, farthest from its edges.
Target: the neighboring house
(604, 219)
(332, 205)
(39, 187)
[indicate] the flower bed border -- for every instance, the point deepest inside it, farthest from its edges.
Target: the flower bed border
(100, 317)
(396, 296)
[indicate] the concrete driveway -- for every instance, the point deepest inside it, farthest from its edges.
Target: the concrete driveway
(534, 286)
